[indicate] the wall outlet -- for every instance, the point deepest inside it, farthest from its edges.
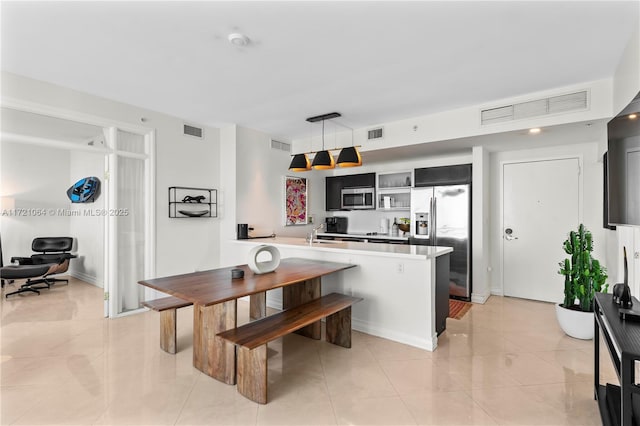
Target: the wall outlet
(400, 268)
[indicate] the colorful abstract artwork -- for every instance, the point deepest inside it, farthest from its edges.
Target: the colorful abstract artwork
(295, 190)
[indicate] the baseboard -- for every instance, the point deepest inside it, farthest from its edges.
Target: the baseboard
(497, 292)
(479, 298)
(366, 327)
(85, 277)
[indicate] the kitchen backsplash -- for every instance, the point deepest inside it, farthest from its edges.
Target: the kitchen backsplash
(368, 220)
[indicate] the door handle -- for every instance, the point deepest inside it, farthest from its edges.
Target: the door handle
(508, 234)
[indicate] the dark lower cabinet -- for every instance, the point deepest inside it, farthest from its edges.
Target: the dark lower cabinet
(442, 292)
(387, 241)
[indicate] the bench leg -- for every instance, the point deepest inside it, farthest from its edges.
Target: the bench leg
(339, 328)
(213, 355)
(258, 305)
(168, 331)
(252, 373)
(294, 295)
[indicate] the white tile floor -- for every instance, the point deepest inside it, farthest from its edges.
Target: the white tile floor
(505, 362)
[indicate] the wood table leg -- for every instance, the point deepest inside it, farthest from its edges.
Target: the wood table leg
(212, 355)
(258, 305)
(303, 292)
(197, 338)
(168, 330)
(339, 328)
(252, 373)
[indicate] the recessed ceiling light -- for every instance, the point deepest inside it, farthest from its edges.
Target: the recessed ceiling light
(534, 131)
(238, 39)
(633, 116)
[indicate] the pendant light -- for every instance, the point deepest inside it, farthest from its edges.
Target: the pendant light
(350, 156)
(323, 159)
(300, 163)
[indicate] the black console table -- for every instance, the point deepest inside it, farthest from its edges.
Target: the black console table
(619, 405)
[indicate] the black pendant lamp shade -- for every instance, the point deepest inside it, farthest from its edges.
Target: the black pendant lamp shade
(349, 157)
(300, 163)
(323, 161)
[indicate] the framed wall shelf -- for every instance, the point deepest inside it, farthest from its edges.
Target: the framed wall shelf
(187, 202)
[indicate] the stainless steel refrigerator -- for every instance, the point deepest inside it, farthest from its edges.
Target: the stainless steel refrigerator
(441, 216)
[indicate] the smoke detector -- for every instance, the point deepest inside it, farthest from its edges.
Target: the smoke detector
(238, 39)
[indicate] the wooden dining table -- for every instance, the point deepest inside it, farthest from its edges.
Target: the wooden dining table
(214, 294)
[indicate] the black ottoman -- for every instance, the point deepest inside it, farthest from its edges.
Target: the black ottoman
(18, 272)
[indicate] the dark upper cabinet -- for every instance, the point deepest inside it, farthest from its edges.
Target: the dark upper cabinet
(445, 175)
(334, 185)
(367, 180)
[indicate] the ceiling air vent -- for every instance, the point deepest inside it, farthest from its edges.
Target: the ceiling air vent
(282, 146)
(537, 108)
(374, 134)
(193, 131)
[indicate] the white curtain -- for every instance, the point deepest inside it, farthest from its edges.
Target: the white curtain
(130, 222)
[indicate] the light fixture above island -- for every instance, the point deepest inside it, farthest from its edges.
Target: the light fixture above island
(324, 160)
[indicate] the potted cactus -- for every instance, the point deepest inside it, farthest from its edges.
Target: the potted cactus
(583, 278)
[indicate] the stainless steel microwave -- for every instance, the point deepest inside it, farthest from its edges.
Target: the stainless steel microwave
(358, 198)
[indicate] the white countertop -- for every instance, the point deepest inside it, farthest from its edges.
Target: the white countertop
(370, 248)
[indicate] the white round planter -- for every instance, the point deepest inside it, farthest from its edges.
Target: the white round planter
(576, 324)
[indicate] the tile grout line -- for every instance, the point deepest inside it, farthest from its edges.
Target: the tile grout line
(184, 403)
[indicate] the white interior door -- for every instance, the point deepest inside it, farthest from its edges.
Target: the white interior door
(541, 204)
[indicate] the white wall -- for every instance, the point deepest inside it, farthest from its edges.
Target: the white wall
(626, 80)
(260, 186)
(227, 196)
(591, 206)
(27, 175)
(465, 122)
(88, 230)
(182, 245)
(481, 226)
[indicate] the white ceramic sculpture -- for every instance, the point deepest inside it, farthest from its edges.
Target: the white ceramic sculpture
(264, 267)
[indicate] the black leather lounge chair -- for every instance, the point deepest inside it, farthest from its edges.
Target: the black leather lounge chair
(52, 258)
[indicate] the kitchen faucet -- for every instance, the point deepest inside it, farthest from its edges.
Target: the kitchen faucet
(310, 236)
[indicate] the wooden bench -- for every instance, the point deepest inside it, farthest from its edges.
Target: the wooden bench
(167, 306)
(251, 339)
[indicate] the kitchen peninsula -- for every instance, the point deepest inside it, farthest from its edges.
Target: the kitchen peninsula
(405, 287)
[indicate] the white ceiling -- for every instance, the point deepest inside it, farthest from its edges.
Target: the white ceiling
(374, 62)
